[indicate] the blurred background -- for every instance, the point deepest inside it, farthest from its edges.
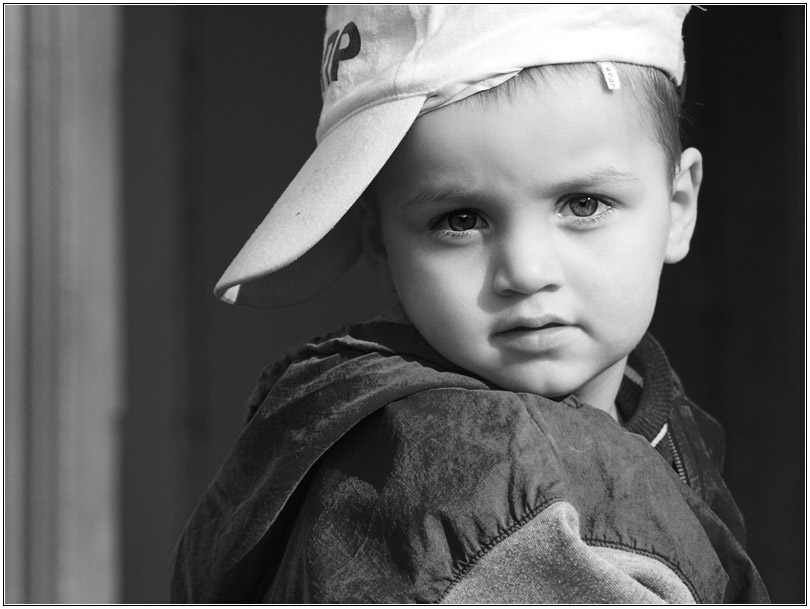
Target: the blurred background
(143, 144)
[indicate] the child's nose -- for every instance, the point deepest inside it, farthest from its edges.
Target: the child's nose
(527, 263)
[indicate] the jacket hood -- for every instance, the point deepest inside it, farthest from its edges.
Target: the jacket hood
(301, 406)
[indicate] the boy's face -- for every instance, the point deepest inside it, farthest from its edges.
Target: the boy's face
(526, 237)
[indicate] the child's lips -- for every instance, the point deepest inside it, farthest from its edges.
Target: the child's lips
(535, 335)
(543, 327)
(530, 324)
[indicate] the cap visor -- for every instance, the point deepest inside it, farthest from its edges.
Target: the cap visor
(291, 236)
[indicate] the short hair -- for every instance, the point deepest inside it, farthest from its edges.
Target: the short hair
(658, 97)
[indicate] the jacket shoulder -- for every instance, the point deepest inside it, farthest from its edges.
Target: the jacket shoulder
(712, 432)
(413, 498)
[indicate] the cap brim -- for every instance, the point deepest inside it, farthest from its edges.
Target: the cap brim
(308, 239)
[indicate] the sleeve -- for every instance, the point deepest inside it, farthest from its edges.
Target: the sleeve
(546, 561)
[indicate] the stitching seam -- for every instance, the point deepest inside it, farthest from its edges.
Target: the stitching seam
(462, 568)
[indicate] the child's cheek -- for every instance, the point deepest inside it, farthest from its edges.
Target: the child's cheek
(621, 279)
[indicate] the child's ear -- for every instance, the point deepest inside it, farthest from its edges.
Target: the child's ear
(373, 244)
(683, 204)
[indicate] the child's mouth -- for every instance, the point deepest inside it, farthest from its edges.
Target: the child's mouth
(547, 326)
(535, 336)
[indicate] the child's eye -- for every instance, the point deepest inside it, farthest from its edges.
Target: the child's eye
(460, 221)
(583, 205)
(585, 209)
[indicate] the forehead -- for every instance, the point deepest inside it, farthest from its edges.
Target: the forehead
(540, 135)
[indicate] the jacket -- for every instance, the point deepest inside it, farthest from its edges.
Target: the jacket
(374, 470)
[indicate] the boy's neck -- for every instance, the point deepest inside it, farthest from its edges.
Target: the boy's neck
(601, 391)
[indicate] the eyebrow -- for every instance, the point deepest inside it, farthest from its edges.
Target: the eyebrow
(469, 195)
(599, 176)
(451, 193)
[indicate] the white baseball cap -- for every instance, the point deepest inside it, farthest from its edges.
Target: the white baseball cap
(383, 66)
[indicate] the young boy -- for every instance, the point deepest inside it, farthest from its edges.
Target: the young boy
(509, 433)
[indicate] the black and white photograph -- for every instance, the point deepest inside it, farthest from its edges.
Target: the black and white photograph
(401, 304)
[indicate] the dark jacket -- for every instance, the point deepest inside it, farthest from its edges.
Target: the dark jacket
(374, 470)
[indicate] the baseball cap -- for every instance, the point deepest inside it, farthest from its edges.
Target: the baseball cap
(385, 65)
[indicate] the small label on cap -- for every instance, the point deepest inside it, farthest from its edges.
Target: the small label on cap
(611, 75)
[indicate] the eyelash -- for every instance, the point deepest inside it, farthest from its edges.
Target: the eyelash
(437, 230)
(582, 222)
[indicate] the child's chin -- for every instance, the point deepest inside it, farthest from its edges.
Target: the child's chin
(552, 388)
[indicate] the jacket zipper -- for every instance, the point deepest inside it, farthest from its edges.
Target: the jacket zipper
(676, 457)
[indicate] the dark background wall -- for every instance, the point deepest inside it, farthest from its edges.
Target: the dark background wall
(732, 314)
(220, 108)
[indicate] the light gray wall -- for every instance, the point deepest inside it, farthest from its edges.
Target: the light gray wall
(62, 302)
